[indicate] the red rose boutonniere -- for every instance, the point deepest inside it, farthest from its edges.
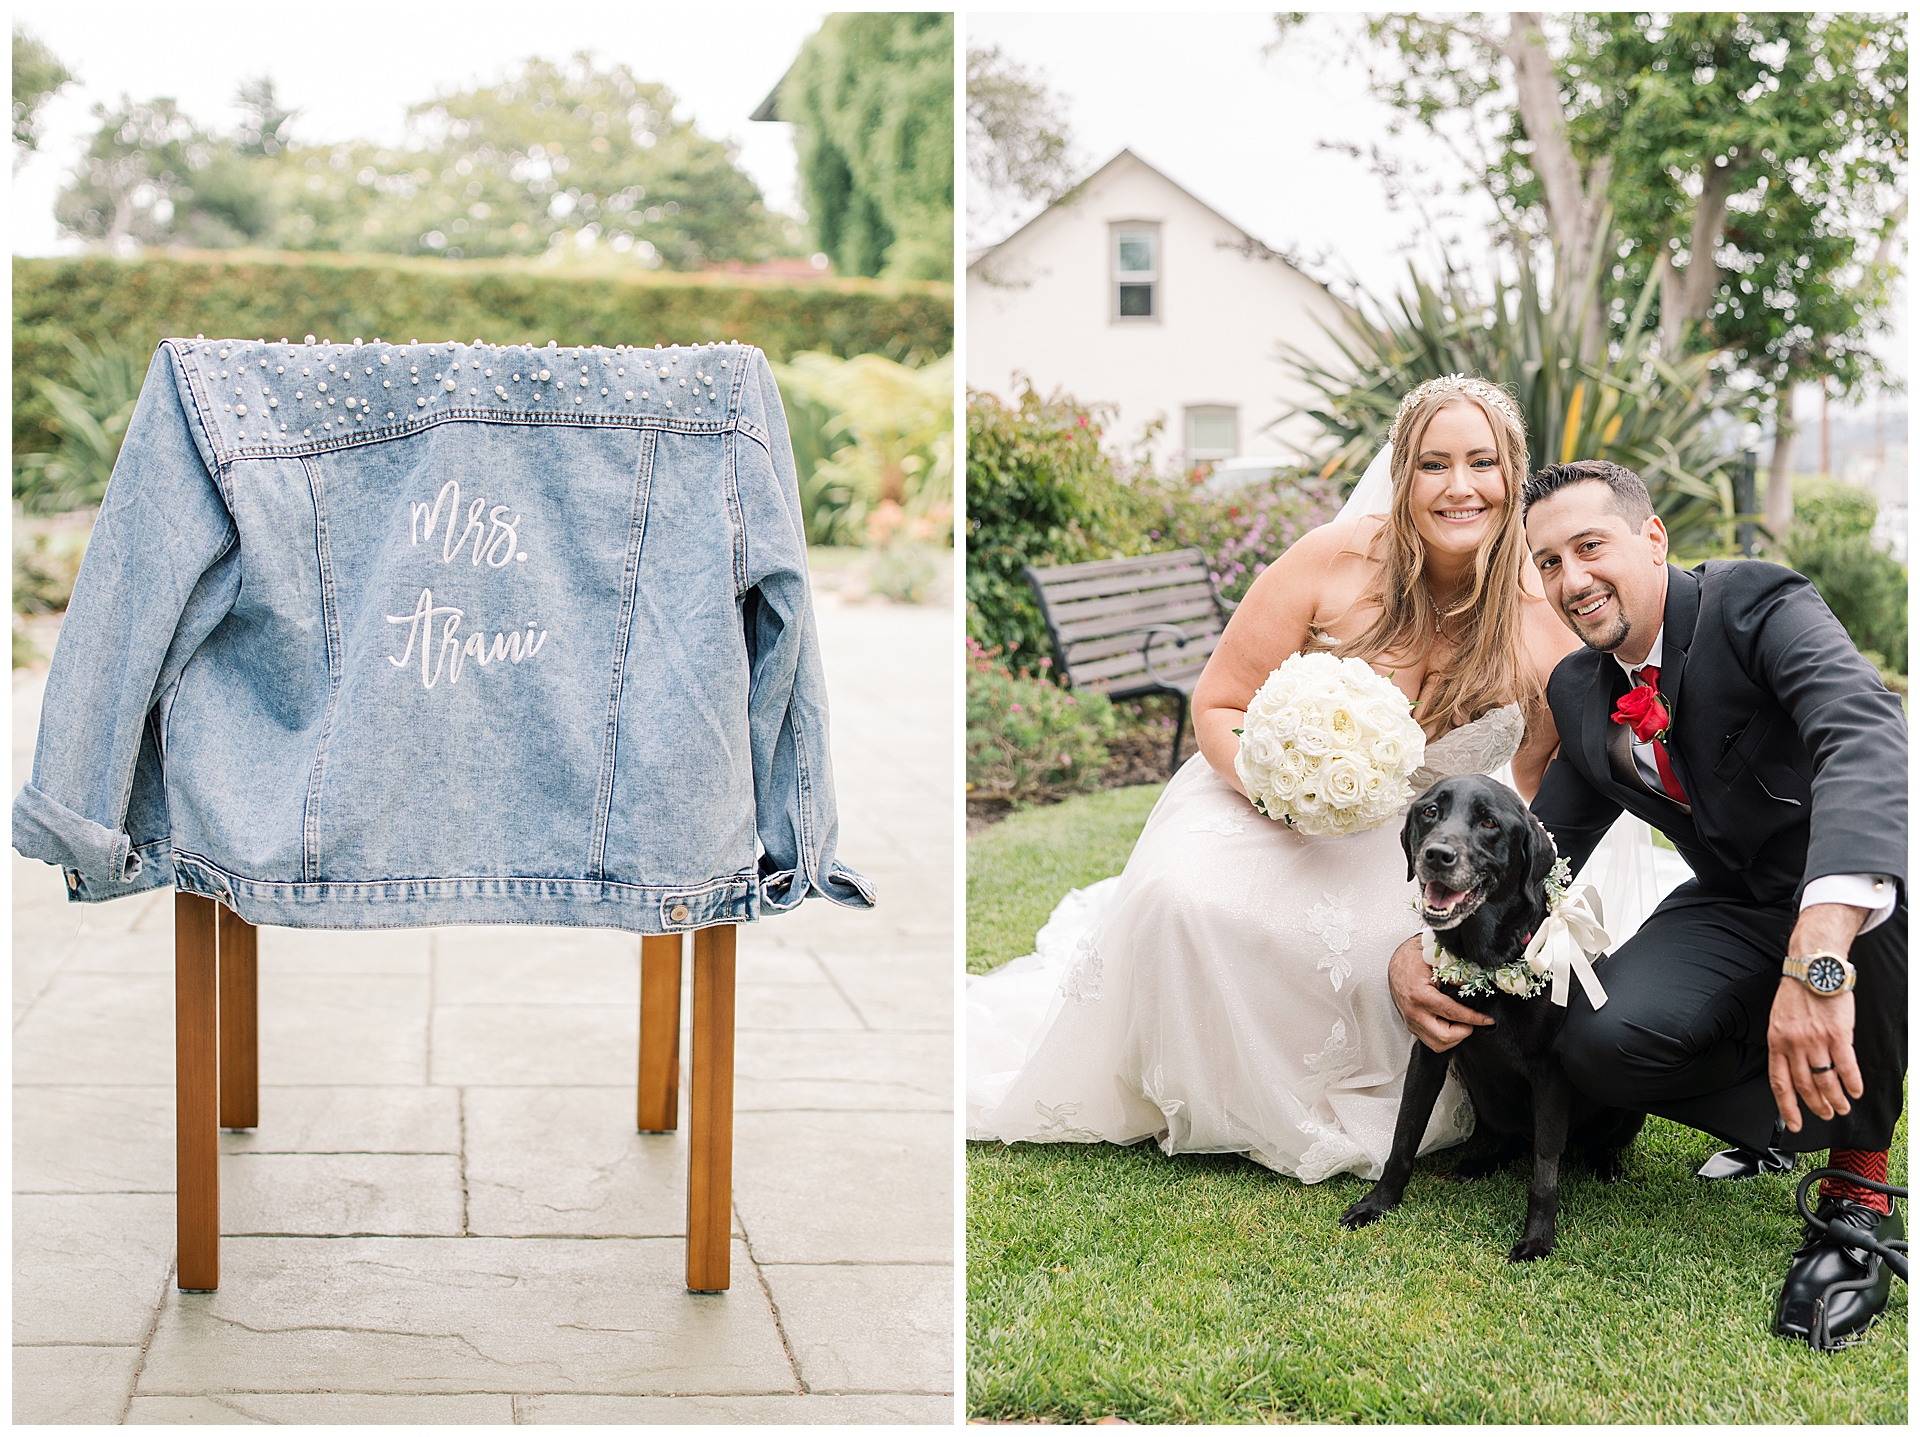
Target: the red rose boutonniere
(1642, 708)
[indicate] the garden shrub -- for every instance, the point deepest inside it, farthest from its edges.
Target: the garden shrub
(905, 572)
(1028, 738)
(826, 500)
(882, 459)
(1831, 542)
(1041, 491)
(46, 560)
(1240, 533)
(241, 294)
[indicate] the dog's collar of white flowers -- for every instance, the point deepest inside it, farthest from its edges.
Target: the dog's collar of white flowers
(1516, 978)
(1555, 953)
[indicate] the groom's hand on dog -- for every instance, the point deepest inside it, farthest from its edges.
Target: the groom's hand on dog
(1430, 1015)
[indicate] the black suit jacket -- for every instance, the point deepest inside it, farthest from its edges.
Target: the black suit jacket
(1792, 753)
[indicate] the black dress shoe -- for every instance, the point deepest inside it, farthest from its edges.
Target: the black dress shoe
(1736, 1163)
(1819, 1303)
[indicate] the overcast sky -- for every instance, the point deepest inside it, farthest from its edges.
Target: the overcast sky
(352, 69)
(1196, 96)
(1198, 99)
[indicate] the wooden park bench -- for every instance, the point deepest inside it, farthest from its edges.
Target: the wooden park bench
(1128, 627)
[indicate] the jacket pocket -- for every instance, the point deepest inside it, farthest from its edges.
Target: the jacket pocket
(1737, 748)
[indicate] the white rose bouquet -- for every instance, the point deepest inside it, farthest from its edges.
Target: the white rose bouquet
(1328, 746)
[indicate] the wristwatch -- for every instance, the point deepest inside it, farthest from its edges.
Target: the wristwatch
(1827, 974)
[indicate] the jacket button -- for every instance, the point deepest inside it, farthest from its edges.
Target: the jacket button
(680, 913)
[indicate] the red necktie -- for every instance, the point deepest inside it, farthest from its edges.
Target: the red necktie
(1651, 677)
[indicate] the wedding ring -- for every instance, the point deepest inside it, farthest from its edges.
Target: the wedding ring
(1827, 1069)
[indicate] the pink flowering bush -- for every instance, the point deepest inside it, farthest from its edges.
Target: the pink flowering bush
(1028, 738)
(1241, 533)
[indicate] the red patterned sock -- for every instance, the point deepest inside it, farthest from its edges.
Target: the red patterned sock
(1867, 1165)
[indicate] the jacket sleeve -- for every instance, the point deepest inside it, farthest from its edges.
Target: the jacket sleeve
(154, 580)
(1788, 641)
(1576, 813)
(787, 699)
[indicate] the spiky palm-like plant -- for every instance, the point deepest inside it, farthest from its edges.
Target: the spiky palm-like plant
(90, 416)
(1669, 421)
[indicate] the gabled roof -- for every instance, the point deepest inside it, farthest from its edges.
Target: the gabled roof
(769, 108)
(1254, 244)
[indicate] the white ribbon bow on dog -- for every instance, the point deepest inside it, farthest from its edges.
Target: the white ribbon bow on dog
(1571, 931)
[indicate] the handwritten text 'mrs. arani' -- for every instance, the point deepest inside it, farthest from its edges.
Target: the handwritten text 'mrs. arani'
(496, 543)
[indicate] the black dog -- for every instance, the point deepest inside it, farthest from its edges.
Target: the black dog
(1484, 858)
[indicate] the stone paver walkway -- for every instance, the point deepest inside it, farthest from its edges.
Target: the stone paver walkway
(445, 1215)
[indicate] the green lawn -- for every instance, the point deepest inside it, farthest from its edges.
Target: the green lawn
(1106, 1280)
(1018, 869)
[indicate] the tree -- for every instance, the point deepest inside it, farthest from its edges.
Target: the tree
(871, 95)
(1749, 161)
(555, 159)
(265, 128)
(1766, 150)
(1018, 142)
(38, 76)
(555, 156)
(150, 176)
(1832, 544)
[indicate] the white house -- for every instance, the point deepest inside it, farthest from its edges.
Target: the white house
(1132, 291)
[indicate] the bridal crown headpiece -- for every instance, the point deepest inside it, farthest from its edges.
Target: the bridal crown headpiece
(1468, 385)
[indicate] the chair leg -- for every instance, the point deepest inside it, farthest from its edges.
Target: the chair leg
(1179, 728)
(239, 1021)
(659, 1104)
(196, 1084)
(710, 1137)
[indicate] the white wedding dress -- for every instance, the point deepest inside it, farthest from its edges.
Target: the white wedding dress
(1227, 992)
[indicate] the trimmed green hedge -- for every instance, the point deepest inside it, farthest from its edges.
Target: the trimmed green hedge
(245, 295)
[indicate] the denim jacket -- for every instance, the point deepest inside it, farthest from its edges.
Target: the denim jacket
(374, 635)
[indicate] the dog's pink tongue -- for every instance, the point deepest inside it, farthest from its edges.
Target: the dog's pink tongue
(1439, 896)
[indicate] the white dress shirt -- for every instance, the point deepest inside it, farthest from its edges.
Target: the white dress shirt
(1874, 892)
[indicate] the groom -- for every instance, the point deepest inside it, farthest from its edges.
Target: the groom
(1765, 1000)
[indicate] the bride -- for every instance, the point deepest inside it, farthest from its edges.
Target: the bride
(1227, 992)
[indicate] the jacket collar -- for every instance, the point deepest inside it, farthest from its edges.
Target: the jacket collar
(1676, 637)
(1610, 680)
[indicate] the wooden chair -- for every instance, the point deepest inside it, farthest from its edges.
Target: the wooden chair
(217, 1076)
(1116, 624)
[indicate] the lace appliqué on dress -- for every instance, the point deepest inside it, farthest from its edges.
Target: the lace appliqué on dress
(1082, 983)
(1154, 1090)
(1461, 1118)
(1223, 825)
(1332, 920)
(1337, 1057)
(1054, 1127)
(1332, 1151)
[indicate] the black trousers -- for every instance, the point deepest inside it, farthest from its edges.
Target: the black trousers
(1683, 1033)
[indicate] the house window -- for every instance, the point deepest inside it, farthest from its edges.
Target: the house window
(1136, 273)
(1213, 431)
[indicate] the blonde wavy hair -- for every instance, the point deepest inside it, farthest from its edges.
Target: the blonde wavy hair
(1488, 668)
